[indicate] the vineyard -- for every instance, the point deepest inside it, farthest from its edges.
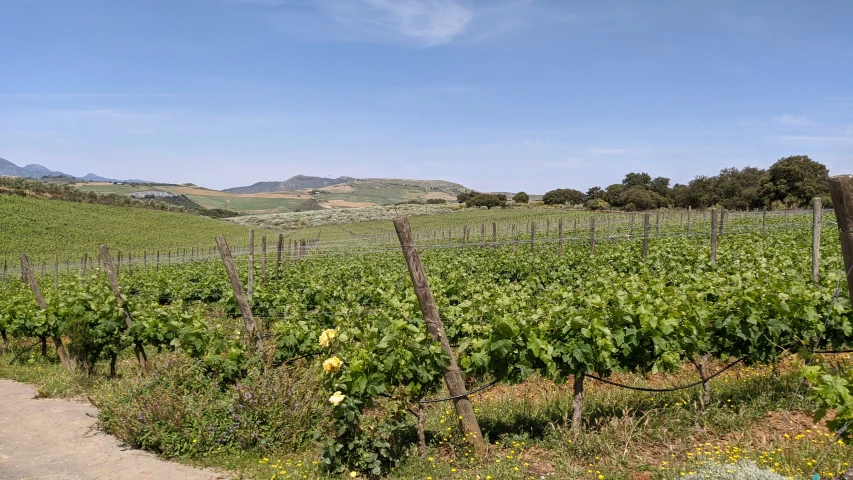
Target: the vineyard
(553, 297)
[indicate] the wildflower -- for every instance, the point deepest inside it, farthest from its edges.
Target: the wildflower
(332, 365)
(351, 474)
(327, 336)
(337, 398)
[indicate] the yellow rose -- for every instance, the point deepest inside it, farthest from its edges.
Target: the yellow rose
(327, 336)
(337, 398)
(332, 365)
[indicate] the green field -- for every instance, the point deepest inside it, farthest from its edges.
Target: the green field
(49, 229)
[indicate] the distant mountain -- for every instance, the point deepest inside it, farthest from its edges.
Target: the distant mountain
(9, 169)
(29, 171)
(292, 184)
(91, 177)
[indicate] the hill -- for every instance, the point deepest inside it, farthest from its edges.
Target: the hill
(292, 184)
(47, 229)
(35, 170)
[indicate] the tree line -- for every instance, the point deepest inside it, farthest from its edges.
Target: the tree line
(789, 183)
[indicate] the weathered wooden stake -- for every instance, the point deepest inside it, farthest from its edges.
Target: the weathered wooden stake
(560, 236)
(592, 235)
(513, 238)
(57, 341)
(817, 218)
(714, 232)
(138, 349)
(494, 236)
(689, 218)
(452, 374)
(263, 258)
(251, 273)
(841, 189)
(237, 287)
(532, 236)
(278, 251)
(646, 221)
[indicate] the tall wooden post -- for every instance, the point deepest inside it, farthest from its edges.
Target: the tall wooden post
(817, 217)
(841, 189)
(263, 258)
(278, 251)
(646, 220)
(251, 274)
(452, 374)
(560, 236)
(657, 223)
(714, 236)
(763, 222)
(494, 236)
(689, 218)
(513, 238)
(532, 236)
(592, 235)
(113, 279)
(237, 287)
(27, 271)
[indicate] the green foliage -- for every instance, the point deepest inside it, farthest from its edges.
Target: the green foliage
(797, 179)
(487, 200)
(180, 411)
(521, 197)
(63, 191)
(436, 201)
(47, 230)
(562, 196)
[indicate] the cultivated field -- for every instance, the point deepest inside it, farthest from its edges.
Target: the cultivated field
(538, 305)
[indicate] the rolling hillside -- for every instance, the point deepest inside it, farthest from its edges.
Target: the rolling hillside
(46, 229)
(292, 184)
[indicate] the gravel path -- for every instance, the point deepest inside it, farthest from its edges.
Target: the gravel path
(56, 439)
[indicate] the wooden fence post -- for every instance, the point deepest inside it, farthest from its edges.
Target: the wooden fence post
(763, 222)
(532, 236)
(27, 271)
(513, 238)
(592, 235)
(237, 287)
(817, 218)
(452, 374)
(560, 236)
(841, 189)
(251, 273)
(657, 223)
(263, 257)
(138, 349)
(714, 236)
(689, 218)
(278, 251)
(646, 220)
(494, 236)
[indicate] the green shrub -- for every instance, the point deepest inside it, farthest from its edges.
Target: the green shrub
(180, 410)
(436, 201)
(521, 197)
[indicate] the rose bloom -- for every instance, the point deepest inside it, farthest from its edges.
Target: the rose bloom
(337, 398)
(332, 365)
(327, 336)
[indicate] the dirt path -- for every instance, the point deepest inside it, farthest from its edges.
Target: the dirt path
(55, 439)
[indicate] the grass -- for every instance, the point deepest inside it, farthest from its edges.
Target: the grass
(754, 416)
(48, 230)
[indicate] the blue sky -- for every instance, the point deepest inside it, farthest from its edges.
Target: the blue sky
(498, 95)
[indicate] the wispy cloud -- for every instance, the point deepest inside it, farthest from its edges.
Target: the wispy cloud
(423, 23)
(792, 120)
